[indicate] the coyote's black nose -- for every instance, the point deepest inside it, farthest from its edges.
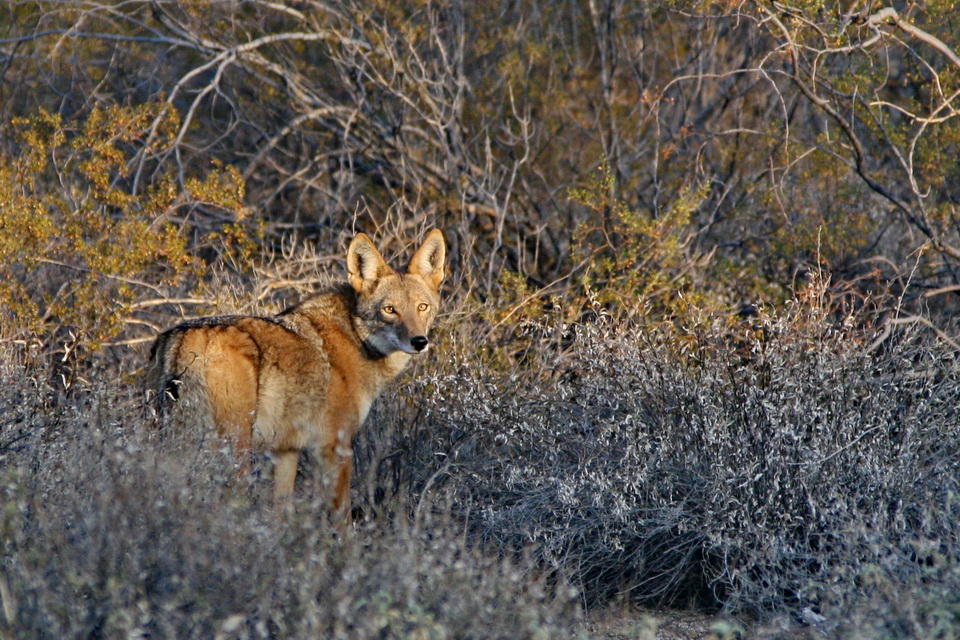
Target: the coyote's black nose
(419, 342)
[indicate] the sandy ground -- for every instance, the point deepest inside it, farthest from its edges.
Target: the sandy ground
(620, 623)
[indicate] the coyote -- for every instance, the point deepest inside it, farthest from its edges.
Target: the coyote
(304, 379)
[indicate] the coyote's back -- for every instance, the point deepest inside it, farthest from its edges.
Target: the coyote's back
(306, 378)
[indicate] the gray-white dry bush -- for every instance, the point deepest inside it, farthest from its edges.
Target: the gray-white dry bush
(112, 530)
(794, 470)
(760, 474)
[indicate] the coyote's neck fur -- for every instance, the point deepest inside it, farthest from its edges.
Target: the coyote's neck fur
(336, 312)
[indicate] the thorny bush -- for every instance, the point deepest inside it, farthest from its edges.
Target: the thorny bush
(109, 530)
(781, 464)
(772, 469)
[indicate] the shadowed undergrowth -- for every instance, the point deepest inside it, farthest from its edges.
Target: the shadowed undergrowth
(764, 472)
(112, 531)
(761, 471)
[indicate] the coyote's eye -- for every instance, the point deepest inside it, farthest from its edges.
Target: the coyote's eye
(423, 306)
(389, 310)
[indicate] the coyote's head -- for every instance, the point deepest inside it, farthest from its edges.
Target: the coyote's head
(395, 311)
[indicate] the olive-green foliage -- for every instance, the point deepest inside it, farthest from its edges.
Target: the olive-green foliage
(724, 182)
(77, 245)
(638, 262)
(481, 119)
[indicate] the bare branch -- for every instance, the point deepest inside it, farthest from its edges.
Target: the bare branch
(889, 16)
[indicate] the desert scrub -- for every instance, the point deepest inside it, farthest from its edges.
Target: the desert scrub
(112, 530)
(765, 471)
(926, 607)
(635, 261)
(81, 243)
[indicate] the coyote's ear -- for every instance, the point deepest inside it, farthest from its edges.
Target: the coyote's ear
(364, 263)
(428, 261)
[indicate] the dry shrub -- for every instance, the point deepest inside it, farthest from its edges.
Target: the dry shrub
(84, 248)
(764, 471)
(924, 607)
(774, 466)
(112, 530)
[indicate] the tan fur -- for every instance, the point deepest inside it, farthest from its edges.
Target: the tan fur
(306, 378)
